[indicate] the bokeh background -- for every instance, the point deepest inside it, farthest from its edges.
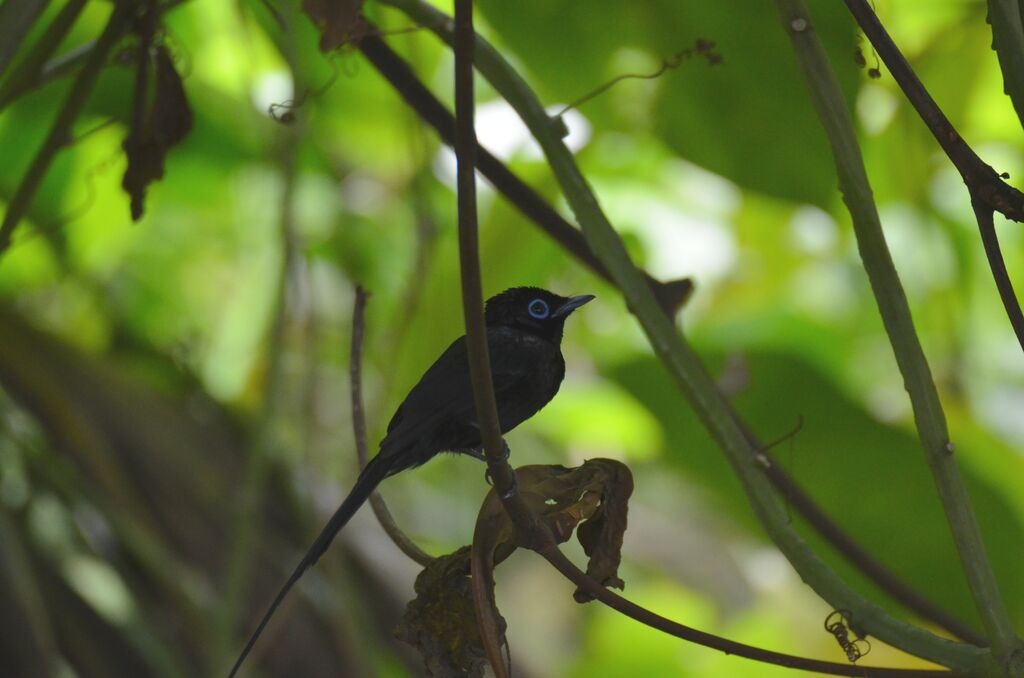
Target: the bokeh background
(174, 395)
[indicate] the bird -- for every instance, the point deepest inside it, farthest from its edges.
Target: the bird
(524, 337)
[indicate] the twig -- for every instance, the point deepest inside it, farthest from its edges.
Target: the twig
(895, 311)
(380, 509)
(59, 132)
(703, 48)
(689, 373)
(990, 242)
(985, 186)
(670, 295)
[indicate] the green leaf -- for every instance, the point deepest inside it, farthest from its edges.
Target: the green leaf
(747, 118)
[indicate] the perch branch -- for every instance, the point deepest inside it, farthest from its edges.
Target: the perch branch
(469, 263)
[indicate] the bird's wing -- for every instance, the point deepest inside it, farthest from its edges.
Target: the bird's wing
(445, 390)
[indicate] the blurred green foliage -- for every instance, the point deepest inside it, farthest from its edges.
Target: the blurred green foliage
(167, 382)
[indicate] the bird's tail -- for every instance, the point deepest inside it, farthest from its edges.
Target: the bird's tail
(371, 476)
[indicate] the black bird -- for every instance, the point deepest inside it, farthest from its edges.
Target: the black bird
(524, 336)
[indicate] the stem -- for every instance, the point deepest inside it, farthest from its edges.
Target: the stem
(60, 131)
(895, 312)
(380, 509)
(990, 242)
(685, 367)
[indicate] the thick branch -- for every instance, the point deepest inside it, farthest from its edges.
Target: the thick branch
(895, 312)
(380, 509)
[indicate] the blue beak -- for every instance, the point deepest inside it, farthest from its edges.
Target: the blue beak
(571, 305)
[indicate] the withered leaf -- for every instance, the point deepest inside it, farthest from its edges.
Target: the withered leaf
(167, 121)
(172, 117)
(440, 621)
(339, 21)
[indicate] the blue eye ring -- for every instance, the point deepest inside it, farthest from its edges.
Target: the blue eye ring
(538, 309)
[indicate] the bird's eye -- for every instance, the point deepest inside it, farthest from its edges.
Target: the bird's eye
(538, 309)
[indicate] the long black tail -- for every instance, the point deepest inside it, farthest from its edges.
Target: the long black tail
(368, 480)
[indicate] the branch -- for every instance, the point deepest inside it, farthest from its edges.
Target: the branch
(689, 373)
(60, 131)
(553, 555)
(469, 263)
(532, 205)
(895, 312)
(380, 509)
(985, 186)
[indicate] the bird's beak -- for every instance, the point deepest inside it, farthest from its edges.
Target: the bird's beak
(571, 305)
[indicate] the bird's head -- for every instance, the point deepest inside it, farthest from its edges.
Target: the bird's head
(534, 310)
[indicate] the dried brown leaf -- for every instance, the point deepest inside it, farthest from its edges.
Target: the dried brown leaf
(339, 21)
(167, 121)
(440, 622)
(172, 116)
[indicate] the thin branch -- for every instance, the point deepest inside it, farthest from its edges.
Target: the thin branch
(895, 311)
(990, 242)
(670, 295)
(985, 186)
(380, 509)
(689, 373)
(553, 555)
(469, 263)
(60, 131)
